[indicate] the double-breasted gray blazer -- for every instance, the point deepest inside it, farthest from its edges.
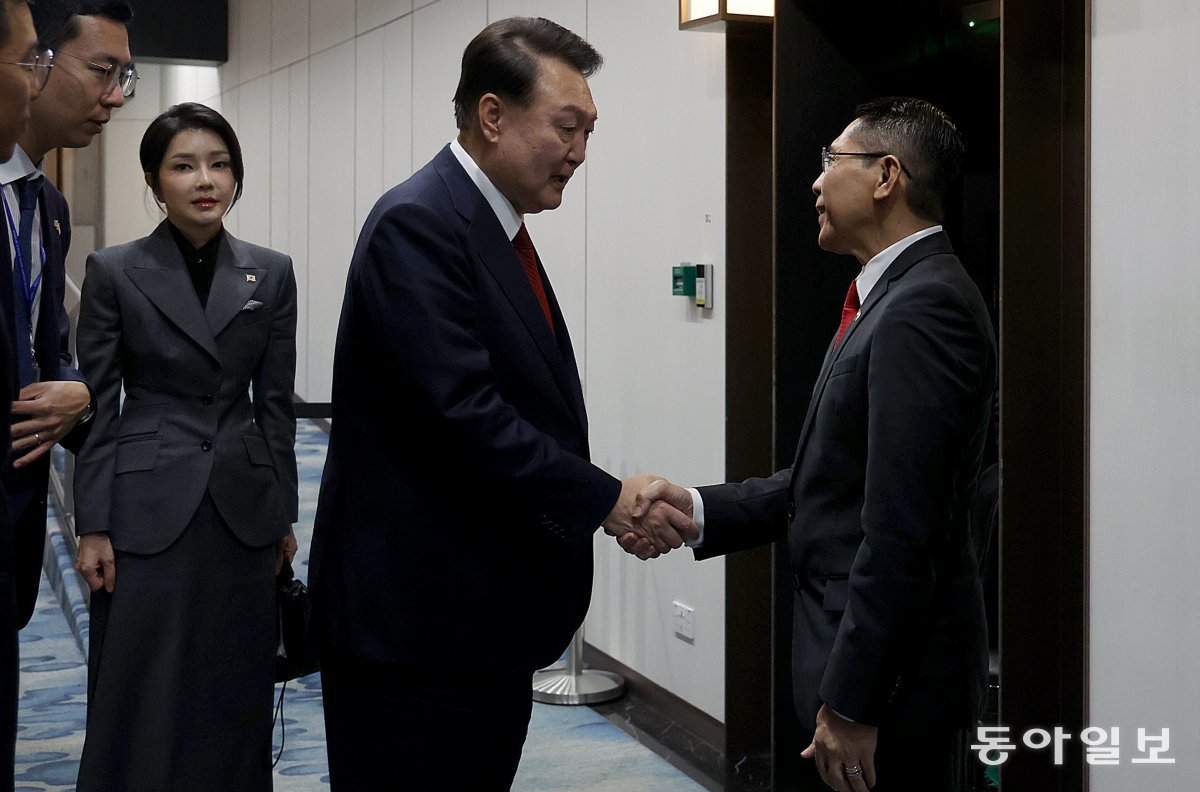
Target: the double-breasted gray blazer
(207, 393)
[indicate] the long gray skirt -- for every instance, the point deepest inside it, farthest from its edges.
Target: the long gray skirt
(181, 667)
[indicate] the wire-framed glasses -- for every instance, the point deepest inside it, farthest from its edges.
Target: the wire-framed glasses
(39, 67)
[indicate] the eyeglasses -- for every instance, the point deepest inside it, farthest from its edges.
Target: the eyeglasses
(112, 75)
(38, 68)
(827, 158)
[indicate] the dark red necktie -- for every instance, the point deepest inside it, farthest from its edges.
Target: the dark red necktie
(849, 310)
(528, 256)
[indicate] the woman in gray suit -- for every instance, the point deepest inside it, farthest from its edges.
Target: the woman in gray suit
(185, 493)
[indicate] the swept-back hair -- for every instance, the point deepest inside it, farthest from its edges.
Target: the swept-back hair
(503, 59)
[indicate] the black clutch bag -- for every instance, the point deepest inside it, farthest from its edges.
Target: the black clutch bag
(297, 653)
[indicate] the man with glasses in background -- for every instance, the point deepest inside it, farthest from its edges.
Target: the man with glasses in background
(92, 75)
(23, 72)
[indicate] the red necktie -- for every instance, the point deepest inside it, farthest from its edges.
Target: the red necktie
(528, 256)
(849, 310)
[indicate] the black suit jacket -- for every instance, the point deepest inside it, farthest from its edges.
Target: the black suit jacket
(27, 487)
(457, 506)
(208, 394)
(888, 619)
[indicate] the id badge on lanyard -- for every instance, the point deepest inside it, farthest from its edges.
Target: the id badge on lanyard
(28, 290)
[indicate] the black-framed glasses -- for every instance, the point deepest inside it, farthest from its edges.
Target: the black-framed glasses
(39, 68)
(828, 156)
(111, 75)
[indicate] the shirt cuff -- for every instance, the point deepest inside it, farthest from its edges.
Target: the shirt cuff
(697, 517)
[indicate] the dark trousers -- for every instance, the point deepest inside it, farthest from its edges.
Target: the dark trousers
(391, 727)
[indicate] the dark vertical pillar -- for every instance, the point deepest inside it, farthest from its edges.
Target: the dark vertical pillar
(749, 363)
(1044, 396)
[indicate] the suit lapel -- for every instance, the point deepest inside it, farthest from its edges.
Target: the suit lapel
(46, 340)
(496, 252)
(163, 278)
(922, 248)
(234, 282)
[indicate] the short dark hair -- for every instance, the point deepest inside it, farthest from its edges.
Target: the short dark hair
(503, 59)
(177, 118)
(924, 139)
(57, 21)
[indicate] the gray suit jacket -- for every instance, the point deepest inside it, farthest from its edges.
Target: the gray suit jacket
(190, 421)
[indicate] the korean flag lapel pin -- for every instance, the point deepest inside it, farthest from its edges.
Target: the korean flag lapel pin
(251, 278)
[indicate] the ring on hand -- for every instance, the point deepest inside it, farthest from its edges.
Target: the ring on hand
(37, 437)
(852, 771)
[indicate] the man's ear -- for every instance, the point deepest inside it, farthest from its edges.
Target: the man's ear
(491, 115)
(889, 176)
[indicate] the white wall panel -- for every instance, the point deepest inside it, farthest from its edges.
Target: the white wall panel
(254, 39)
(298, 217)
(253, 210)
(281, 188)
(441, 32)
(368, 125)
(375, 13)
(331, 205)
(230, 70)
(289, 32)
(397, 102)
(1145, 376)
(331, 22)
(647, 202)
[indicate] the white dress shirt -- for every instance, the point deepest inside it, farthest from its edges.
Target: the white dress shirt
(510, 221)
(18, 167)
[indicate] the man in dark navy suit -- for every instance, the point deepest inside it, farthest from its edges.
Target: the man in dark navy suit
(452, 552)
(92, 70)
(889, 655)
(22, 73)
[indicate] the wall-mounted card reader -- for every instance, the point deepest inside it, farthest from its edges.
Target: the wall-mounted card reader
(695, 281)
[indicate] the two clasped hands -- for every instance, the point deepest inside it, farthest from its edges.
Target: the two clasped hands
(652, 517)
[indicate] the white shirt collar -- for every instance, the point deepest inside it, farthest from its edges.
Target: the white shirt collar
(878, 265)
(17, 167)
(510, 221)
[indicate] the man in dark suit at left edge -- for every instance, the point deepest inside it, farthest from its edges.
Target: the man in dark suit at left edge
(22, 71)
(54, 404)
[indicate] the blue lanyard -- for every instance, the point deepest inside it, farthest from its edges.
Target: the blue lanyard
(30, 290)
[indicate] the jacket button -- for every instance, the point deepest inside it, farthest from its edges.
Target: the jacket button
(208, 400)
(206, 446)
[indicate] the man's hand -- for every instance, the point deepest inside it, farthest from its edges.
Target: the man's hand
(50, 410)
(839, 746)
(95, 562)
(620, 522)
(285, 550)
(661, 510)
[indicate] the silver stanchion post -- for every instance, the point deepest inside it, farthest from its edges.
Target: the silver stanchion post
(576, 684)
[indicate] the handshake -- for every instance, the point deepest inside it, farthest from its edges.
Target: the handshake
(652, 517)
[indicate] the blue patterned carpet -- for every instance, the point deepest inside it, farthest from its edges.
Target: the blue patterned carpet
(569, 749)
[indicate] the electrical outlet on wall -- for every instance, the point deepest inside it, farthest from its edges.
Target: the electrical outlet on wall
(683, 621)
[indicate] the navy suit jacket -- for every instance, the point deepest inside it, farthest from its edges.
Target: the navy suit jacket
(888, 624)
(458, 505)
(26, 488)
